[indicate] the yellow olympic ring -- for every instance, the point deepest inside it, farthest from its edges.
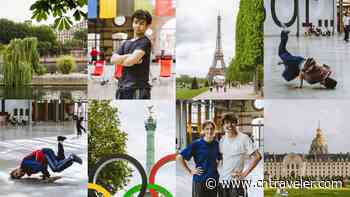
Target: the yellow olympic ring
(100, 189)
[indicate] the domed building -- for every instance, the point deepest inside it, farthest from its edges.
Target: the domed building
(317, 163)
(318, 145)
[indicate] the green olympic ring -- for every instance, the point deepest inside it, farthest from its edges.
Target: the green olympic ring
(155, 187)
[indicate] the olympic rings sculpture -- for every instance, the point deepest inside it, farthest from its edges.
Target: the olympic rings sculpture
(154, 188)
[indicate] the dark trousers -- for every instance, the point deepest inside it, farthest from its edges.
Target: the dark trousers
(79, 127)
(57, 163)
(232, 192)
(286, 57)
(201, 190)
(346, 31)
(134, 93)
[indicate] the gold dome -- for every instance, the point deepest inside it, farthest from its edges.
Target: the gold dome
(319, 145)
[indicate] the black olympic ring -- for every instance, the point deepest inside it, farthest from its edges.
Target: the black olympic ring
(274, 15)
(114, 157)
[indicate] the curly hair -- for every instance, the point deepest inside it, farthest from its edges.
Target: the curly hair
(143, 15)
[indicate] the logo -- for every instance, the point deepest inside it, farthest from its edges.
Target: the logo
(141, 188)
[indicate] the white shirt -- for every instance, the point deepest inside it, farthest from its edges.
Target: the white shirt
(233, 152)
(346, 20)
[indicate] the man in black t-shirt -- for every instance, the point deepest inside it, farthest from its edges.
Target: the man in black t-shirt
(135, 56)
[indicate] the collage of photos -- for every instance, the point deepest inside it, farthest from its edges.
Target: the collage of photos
(174, 98)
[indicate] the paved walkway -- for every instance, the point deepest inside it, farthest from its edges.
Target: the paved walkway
(244, 92)
(73, 183)
(39, 129)
(162, 87)
(331, 51)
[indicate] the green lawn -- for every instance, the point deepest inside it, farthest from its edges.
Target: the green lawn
(185, 93)
(343, 192)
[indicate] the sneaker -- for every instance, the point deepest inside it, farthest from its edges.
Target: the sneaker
(61, 138)
(76, 159)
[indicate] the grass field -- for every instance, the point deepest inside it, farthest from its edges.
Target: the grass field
(343, 192)
(185, 93)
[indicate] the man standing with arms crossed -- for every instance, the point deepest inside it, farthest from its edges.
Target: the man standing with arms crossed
(135, 56)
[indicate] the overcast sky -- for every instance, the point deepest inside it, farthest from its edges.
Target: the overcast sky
(132, 117)
(290, 125)
(19, 11)
(196, 34)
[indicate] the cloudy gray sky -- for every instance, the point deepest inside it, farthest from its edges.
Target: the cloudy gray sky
(196, 34)
(18, 10)
(132, 117)
(290, 125)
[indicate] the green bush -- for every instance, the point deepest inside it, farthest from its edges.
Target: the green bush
(194, 84)
(41, 69)
(66, 64)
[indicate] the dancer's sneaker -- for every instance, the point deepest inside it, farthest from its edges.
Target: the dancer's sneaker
(76, 159)
(61, 138)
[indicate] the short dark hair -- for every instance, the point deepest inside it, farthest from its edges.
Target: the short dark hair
(208, 122)
(12, 174)
(229, 117)
(143, 15)
(330, 83)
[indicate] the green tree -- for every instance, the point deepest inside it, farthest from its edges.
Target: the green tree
(44, 48)
(184, 79)
(64, 12)
(105, 138)
(249, 42)
(194, 84)
(73, 43)
(44, 33)
(20, 60)
(82, 36)
(10, 30)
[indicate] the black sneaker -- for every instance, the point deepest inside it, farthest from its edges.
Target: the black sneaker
(77, 159)
(61, 138)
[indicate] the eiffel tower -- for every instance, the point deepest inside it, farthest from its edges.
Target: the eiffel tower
(215, 68)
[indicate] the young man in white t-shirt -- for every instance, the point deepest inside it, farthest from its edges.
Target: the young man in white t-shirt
(234, 146)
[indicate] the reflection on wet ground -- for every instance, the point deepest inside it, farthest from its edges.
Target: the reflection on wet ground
(326, 50)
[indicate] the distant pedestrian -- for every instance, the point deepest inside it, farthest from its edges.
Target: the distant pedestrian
(346, 22)
(79, 127)
(94, 53)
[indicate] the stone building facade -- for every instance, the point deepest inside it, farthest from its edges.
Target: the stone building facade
(317, 163)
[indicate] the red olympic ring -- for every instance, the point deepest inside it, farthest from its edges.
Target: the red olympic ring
(155, 168)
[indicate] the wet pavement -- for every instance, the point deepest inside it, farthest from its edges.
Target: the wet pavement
(17, 143)
(244, 92)
(332, 51)
(36, 130)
